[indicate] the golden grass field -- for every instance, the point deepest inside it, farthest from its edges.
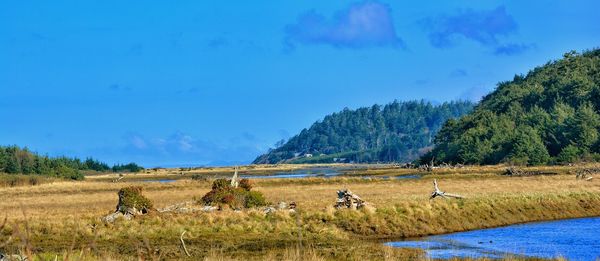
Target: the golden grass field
(62, 219)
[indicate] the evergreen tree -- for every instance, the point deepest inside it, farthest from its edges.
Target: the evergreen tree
(549, 115)
(396, 132)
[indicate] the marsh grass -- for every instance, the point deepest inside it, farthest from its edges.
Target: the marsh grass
(12, 180)
(62, 218)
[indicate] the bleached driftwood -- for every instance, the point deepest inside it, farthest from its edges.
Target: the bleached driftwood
(347, 199)
(183, 243)
(121, 176)
(438, 193)
(428, 167)
(586, 174)
(234, 180)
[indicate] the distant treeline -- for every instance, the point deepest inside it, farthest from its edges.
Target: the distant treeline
(551, 115)
(396, 132)
(15, 160)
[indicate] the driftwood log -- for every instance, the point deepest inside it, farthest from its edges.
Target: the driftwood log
(586, 174)
(438, 193)
(121, 176)
(187, 207)
(347, 199)
(281, 206)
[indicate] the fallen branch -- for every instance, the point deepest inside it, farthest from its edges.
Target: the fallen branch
(183, 244)
(586, 174)
(121, 176)
(438, 193)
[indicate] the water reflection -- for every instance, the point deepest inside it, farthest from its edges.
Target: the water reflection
(573, 239)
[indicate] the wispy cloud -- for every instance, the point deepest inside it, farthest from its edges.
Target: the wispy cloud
(483, 27)
(458, 73)
(512, 49)
(363, 24)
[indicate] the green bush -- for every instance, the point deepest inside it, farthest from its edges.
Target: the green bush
(70, 173)
(220, 184)
(569, 154)
(223, 194)
(255, 199)
(131, 197)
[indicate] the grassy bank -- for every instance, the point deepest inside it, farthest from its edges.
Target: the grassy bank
(59, 218)
(13, 180)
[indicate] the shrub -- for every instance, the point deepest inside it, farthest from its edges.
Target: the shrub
(132, 198)
(220, 184)
(255, 199)
(246, 184)
(228, 199)
(223, 193)
(569, 154)
(209, 197)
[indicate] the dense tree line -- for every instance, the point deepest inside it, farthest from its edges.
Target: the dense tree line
(130, 167)
(15, 160)
(551, 115)
(396, 132)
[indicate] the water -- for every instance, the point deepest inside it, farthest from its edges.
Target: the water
(325, 172)
(320, 173)
(159, 180)
(408, 177)
(573, 239)
(300, 173)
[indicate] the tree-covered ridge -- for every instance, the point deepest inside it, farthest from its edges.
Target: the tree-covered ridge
(15, 160)
(396, 132)
(551, 115)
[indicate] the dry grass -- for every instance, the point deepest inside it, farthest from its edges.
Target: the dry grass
(63, 216)
(10, 180)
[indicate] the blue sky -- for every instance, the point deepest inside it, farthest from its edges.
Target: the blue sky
(219, 82)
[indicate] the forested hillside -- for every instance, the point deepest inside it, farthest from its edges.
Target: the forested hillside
(15, 160)
(551, 115)
(396, 132)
